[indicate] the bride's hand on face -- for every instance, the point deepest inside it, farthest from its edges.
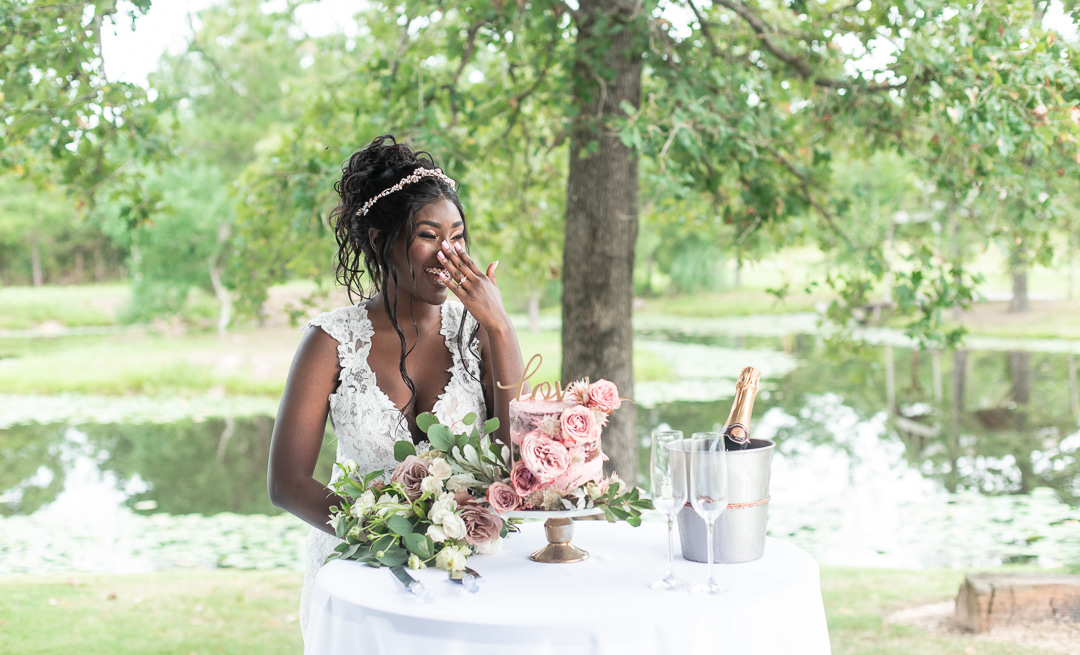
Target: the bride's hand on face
(476, 289)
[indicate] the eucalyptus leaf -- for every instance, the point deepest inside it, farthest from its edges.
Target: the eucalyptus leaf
(399, 525)
(425, 421)
(394, 556)
(420, 545)
(403, 449)
(440, 437)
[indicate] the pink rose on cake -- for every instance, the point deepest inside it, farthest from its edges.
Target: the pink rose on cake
(523, 480)
(502, 497)
(546, 458)
(604, 396)
(579, 426)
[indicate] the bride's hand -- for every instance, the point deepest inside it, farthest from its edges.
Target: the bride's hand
(477, 290)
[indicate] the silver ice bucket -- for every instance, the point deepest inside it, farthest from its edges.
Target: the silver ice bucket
(739, 535)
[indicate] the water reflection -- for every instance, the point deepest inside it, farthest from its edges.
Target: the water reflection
(187, 467)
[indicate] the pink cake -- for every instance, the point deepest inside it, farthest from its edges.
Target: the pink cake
(541, 418)
(558, 441)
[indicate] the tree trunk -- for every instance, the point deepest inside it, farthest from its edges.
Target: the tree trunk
(35, 261)
(601, 215)
(216, 268)
(1018, 268)
(534, 311)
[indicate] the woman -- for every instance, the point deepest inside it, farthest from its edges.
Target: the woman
(403, 350)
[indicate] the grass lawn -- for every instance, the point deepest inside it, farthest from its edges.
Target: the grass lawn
(255, 612)
(176, 613)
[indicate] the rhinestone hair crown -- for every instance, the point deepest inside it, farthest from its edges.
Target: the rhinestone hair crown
(413, 177)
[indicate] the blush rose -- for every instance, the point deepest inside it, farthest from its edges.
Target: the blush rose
(579, 425)
(523, 480)
(604, 396)
(502, 497)
(546, 458)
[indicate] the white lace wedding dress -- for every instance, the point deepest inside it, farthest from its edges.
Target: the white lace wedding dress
(365, 420)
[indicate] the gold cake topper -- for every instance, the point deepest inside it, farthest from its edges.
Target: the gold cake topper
(546, 390)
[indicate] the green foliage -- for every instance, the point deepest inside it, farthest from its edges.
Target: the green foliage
(760, 126)
(69, 125)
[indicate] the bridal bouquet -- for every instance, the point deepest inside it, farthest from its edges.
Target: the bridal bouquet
(425, 515)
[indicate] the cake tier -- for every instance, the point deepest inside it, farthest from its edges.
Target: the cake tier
(526, 415)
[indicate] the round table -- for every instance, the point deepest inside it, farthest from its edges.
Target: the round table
(599, 606)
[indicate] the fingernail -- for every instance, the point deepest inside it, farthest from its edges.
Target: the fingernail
(446, 245)
(459, 247)
(442, 257)
(495, 266)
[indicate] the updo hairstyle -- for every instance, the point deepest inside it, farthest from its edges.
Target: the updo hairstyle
(375, 168)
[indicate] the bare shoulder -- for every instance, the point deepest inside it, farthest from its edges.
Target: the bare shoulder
(318, 355)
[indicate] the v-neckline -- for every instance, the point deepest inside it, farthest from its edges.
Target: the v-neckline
(375, 378)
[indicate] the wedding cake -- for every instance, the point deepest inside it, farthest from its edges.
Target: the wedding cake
(558, 439)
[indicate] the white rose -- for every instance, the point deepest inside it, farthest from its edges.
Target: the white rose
(437, 534)
(441, 508)
(440, 469)
(489, 547)
(453, 526)
(363, 504)
(431, 485)
(355, 533)
(452, 558)
(460, 482)
(349, 467)
(415, 563)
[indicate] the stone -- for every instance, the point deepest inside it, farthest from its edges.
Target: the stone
(999, 599)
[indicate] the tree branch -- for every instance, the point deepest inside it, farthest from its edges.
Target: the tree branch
(803, 69)
(804, 184)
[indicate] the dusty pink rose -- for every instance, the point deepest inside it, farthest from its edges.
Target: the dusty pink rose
(523, 480)
(545, 457)
(410, 473)
(480, 525)
(502, 497)
(604, 396)
(579, 426)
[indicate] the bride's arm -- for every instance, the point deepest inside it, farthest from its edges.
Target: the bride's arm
(501, 357)
(299, 428)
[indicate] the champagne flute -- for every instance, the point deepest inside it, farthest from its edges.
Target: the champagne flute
(708, 494)
(667, 484)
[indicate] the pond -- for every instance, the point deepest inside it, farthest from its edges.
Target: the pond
(886, 456)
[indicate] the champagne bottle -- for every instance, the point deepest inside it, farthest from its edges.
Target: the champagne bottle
(736, 430)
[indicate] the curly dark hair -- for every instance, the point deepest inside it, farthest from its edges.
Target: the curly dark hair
(378, 166)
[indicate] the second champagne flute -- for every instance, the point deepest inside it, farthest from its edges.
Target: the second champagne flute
(667, 481)
(708, 494)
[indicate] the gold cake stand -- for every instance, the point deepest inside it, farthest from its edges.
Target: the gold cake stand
(559, 528)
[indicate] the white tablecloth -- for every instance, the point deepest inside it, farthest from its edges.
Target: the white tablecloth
(599, 606)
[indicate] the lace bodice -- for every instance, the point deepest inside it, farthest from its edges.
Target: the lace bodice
(365, 420)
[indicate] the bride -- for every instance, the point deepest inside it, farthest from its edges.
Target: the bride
(400, 351)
